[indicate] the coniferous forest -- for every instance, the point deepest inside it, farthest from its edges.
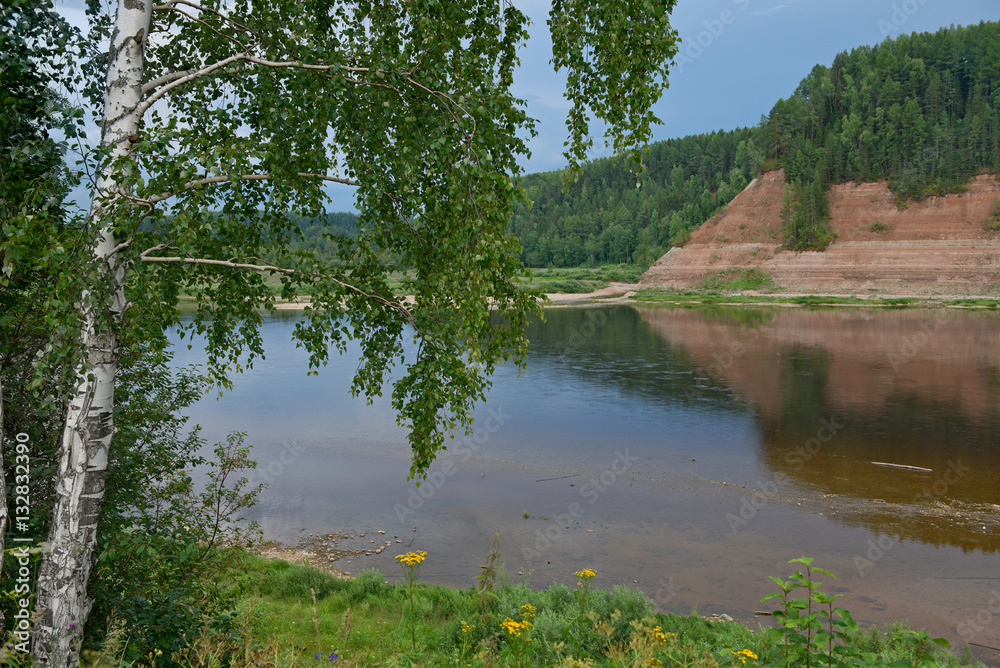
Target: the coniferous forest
(921, 111)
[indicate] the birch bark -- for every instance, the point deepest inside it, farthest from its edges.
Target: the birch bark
(63, 604)
(3, 493)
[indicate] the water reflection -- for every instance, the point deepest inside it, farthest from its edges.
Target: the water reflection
(711, 402)
(615, 348)
(836, 390)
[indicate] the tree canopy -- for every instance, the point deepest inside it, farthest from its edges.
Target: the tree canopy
(222, 122)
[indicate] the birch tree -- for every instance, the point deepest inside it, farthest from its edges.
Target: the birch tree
(34, 48)
(221, 117)
(3, 491)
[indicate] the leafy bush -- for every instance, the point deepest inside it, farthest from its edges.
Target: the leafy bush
(814, 632)
(165, 571)
(878, 226)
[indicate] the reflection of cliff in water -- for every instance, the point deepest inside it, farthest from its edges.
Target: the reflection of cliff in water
(839, 389)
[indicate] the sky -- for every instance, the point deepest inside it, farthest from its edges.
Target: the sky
(735, 60)
(738, 57)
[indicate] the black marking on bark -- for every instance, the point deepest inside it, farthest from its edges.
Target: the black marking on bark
(89, 512)
(113, 121)
(135, 4)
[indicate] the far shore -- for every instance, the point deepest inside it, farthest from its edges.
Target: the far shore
(629, 293)
(615, 291)
(636, 293)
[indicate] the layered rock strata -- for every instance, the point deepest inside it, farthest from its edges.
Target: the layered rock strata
(945, 245)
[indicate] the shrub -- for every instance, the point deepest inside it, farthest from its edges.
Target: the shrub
(164, 576)
(878, 226)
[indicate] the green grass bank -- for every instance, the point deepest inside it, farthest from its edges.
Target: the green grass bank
(282, 615)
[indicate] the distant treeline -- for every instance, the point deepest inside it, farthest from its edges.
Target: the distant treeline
(609, 216)
(319, 235)
(921, 111)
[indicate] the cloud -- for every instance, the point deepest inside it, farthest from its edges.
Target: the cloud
(539, 94)
(772, 10)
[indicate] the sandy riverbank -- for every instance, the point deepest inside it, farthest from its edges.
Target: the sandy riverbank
(614, 290)
(619, 293)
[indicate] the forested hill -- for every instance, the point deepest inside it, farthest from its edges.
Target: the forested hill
(921, 111)
(610, 216)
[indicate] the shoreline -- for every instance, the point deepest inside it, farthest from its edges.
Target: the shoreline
(691, 632)
(629, 293)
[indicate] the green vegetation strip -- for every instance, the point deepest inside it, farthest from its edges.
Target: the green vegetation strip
(294, 615)
(582, 279)
(717, 296)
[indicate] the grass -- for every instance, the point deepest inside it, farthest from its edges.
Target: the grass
(737, 279)
(981, 302)
(365, 621)
(715, 288)
(583, 279)
(673, 296)
(551, 280)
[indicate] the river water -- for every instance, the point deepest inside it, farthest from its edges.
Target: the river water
(689, 452)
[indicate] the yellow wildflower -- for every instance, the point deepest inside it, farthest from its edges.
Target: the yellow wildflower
(743, 655)
(655, 662)
(511, 627)
(411, 558)
(586, 573)
(528, 610)
(467, 628)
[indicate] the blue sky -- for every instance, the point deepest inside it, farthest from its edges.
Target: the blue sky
(736, 59)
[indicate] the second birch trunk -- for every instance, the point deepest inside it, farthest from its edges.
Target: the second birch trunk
(63, 603)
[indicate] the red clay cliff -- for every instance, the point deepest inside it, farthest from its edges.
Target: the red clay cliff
(942, 245)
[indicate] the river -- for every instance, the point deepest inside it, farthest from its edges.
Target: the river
(689, 452)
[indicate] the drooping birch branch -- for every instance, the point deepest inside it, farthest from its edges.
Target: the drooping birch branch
(208, 180)
(177, 79)
(170, 4)
(204, 23)
(388, 303)
(304, 66)
(181, 80)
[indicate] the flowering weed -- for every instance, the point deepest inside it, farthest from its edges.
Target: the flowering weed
(411, 571)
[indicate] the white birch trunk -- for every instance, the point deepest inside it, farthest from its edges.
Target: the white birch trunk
(63, 604)
(3, 493)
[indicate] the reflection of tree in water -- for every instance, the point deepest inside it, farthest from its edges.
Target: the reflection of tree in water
(803, 382)
(737, 317)
(830, 450)
(821, 430)
(614, 347)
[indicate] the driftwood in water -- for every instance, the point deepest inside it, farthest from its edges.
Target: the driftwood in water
(903, 466)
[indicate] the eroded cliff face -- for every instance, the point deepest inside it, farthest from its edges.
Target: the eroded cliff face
(943, 245)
